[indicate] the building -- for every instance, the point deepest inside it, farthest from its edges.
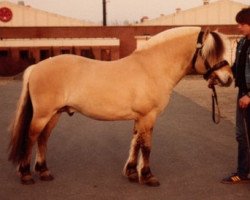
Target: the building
(220, 12)
(19, 51)
(16, 15)
(24, 41)
(217, 13)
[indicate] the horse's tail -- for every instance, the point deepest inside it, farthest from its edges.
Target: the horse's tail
(21, 123)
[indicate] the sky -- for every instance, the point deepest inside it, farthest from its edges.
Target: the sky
(118, 11)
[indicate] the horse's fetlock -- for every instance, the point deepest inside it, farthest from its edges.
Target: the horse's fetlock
(25, 174)
(131, 168)
(24, 169)
(41, 167)
(146, 173)
(43, 171)
(131, 172)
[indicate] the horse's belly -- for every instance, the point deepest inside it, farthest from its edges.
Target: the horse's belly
(108, 114)
(101, 108)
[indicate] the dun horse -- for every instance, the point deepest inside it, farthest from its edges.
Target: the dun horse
(137, 87)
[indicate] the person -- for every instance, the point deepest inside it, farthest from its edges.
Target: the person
(241, 71)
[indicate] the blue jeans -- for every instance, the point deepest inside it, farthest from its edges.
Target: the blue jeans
(243, 143)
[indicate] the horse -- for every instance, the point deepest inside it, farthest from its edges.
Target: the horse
(137, 87)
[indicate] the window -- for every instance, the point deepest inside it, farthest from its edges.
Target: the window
(44, 54)
(88, 53)
(24, 54)
(106, 54)
(65, 51)
(4, 53)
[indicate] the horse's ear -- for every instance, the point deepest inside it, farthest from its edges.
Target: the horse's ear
(206, 33)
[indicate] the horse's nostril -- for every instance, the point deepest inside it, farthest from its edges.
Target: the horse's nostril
(229, 81)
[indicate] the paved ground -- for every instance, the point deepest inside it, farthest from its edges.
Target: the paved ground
(195, 89)
(190, 153)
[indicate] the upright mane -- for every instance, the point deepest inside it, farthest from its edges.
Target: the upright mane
(167, 35)
(213, 46)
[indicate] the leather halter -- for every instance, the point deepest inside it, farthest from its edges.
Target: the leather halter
(207, 75)
(210, 69)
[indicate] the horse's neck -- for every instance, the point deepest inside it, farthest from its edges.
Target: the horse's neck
(170, 61)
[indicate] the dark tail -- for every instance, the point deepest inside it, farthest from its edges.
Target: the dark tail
(21, 123)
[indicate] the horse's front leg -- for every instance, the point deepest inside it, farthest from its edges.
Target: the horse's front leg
(130, 169)
(141, 140)
(145, 174)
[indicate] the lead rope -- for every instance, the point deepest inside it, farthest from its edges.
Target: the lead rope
(215, 106)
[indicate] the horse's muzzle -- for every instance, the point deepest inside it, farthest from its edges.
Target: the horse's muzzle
(223, 81)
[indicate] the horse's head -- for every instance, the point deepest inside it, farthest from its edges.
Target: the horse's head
(208, 59)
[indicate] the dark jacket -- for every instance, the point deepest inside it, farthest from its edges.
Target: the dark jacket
(242, 66)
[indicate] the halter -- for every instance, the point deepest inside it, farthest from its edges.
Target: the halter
(207, 75)
(210, 69)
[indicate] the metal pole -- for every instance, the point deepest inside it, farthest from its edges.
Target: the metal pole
(104, 11)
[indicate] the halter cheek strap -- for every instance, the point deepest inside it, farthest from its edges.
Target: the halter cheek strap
(198, 48)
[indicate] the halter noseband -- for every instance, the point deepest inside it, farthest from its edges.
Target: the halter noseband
(217, 66)
(209, 69)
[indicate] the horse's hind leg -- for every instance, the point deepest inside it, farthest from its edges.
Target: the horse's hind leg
(36, 127)
(41, 165)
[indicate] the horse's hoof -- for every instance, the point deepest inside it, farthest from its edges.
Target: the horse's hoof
(152, 182)
(27, 180)
(133, 177)
(47, 178)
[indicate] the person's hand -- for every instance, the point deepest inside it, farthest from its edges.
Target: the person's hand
(244, 101)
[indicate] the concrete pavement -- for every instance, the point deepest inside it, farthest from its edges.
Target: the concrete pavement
(190, 156)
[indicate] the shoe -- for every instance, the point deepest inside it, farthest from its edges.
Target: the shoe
(235, 178)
